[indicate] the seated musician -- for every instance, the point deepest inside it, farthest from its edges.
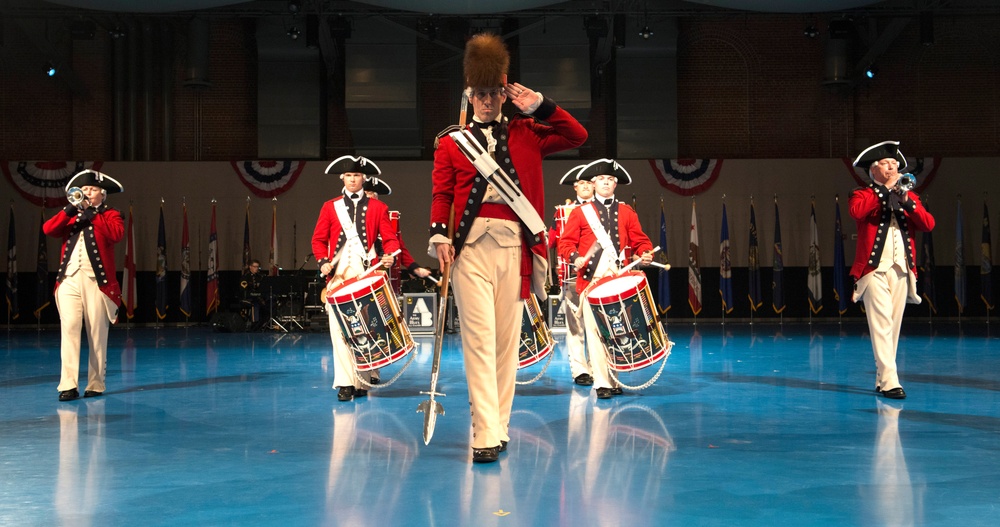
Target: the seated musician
(600, 238)
(252, 300)
(343, 244)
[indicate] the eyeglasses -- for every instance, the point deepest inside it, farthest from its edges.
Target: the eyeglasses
(482, 94)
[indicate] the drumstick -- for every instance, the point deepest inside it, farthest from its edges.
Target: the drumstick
(665, 267)
(636, 262)
(336, 258)
(375, 267)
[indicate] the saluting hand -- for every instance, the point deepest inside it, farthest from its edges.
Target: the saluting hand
(520, 96)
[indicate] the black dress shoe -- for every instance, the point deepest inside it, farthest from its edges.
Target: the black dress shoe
(895, 393)
(92, 393)
(358, 392)
(617, 390)
(69, 395)
(604, 393)
(584, 379)
(503, 446)
(346, 393)
(485, 455)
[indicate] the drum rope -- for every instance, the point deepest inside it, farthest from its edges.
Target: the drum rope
(393, 379)
(539, 376)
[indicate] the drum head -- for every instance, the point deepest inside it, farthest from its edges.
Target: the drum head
(356, 288)
(614, 288)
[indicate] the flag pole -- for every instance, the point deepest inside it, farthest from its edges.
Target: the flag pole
(720, 275)
(753, 309)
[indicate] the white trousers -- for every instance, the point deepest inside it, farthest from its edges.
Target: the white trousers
(885, 301)
(344, 366)
(486, 279)
(81, 304)
(575, 332)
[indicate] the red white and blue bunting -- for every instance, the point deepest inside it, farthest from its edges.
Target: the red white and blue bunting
(686, 177)
(268, 178)
(922, 168)
(44, 182)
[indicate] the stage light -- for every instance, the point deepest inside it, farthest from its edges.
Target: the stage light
(116, 33)
(646, 32)
(293, 33)
(294, 6)
(50, 69)
(810, 31)
(871, 72)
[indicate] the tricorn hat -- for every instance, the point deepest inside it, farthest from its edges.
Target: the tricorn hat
(486, 61)
(378, 186)
(93, 178)
(570, 177)
(359, 164)
(605, 167)
(884, 150)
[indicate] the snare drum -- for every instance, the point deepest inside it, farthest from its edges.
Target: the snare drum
(371, 322)
(628, 322)
(536, 339)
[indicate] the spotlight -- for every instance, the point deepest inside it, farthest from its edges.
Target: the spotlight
(116, 33)
(294, 6)
(646, 32)
(871, 72)
(50, 69)
(293, 33)
(811, 31)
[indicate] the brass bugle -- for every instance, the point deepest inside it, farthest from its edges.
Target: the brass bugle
(906, 182)
(75, 197)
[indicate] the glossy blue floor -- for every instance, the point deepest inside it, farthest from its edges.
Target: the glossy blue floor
(748, 425)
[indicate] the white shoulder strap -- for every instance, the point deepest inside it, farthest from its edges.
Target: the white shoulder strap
(603, 238)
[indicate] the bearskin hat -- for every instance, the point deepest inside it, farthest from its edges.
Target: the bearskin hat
(486, 61)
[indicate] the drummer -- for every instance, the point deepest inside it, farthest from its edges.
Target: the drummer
(579, 366)
(375, 187)
(343, 244)
(603, 223)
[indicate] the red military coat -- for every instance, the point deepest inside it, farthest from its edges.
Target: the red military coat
(372, 218)
(577, 238)
(527, 142)
(873, 222)
(108, 229)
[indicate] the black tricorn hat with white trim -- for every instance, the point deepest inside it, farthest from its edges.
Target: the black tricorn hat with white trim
(93, 178)
(605, 167)
(883, 150)
(378, 186)
(359, 164)
(570, 177)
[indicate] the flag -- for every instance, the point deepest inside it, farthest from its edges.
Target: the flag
(663, 290)
(839, 269)
(986, 263)
(694, 269)
(185, 266)
(754, 264)
(927, 269)
(42, 269)
(777, 280)
(273, 257)
(815, 269)
(12, 309)
(246, 238)
(959, 260)
(161, 270)
(212, 288)
(128, 278)
(725, 266)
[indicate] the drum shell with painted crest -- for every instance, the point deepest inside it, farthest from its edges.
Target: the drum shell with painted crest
(535, 339)
(628, 321)
(372, 324)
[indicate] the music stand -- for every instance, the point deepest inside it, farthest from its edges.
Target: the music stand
(287, 286)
